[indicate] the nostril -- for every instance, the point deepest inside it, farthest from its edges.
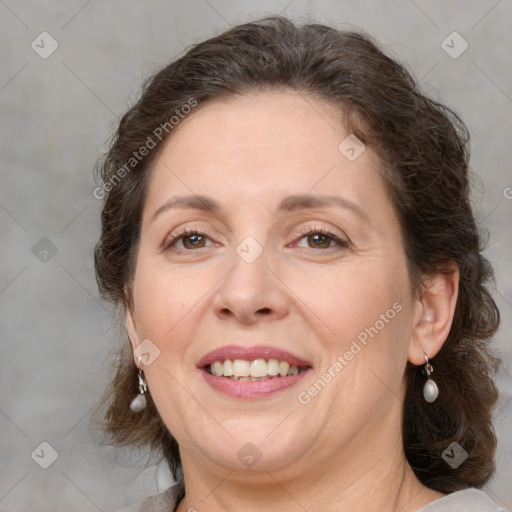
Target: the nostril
(265, 311)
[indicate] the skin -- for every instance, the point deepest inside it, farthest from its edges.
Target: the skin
(310, 296)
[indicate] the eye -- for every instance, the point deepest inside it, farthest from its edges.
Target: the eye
(320, 238)
(187, 240)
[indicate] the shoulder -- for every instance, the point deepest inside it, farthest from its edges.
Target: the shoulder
(164, 502)
(467, 500)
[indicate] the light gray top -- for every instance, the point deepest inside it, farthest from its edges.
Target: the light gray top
(467, 500)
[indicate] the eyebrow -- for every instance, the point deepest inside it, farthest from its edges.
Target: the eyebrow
(203, 203)
(309, 201)
(288, 204)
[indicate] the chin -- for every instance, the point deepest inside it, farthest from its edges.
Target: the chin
(255, 445)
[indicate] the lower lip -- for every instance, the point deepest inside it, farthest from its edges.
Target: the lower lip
(249, 389)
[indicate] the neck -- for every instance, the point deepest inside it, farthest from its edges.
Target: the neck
(375, 491)
(369, 474)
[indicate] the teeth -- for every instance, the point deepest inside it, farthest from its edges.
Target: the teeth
(283, 368)
(217, 368)
(258, 369)
(273, 367)
(227, 368)
(242, 368)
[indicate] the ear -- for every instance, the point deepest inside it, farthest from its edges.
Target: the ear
(131, 329)
(434, 314)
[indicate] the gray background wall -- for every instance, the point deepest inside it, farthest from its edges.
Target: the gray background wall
(56, 114)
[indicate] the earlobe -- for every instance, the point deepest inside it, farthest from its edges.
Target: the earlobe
(435, 311)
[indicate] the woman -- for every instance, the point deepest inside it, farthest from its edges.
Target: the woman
(288, 232)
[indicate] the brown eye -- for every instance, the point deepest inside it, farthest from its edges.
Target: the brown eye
(194, 241)
(187, 241)
(318, 238)
(319, 241)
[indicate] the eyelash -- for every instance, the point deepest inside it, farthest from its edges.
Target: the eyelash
(304, 232)
(172, 239)
(317, 230)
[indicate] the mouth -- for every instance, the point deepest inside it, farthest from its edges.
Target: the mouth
(252, 372)
(255, 370)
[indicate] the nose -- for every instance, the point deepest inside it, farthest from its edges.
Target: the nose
(251, 293)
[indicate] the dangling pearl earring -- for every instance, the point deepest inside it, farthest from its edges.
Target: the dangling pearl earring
(139, 402)
(430, 389)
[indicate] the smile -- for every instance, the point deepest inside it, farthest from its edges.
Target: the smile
(256, 370)
(252, 372)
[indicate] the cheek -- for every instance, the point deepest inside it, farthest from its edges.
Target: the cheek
(350, 301)
(163, 300)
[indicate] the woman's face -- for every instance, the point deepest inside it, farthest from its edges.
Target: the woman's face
(266, 242)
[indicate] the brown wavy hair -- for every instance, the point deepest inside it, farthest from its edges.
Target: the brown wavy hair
(424, 151)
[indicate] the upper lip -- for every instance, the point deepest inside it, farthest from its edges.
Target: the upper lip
(250, 354)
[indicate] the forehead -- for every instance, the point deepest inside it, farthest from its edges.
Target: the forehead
(254, 147)
(270, 119)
